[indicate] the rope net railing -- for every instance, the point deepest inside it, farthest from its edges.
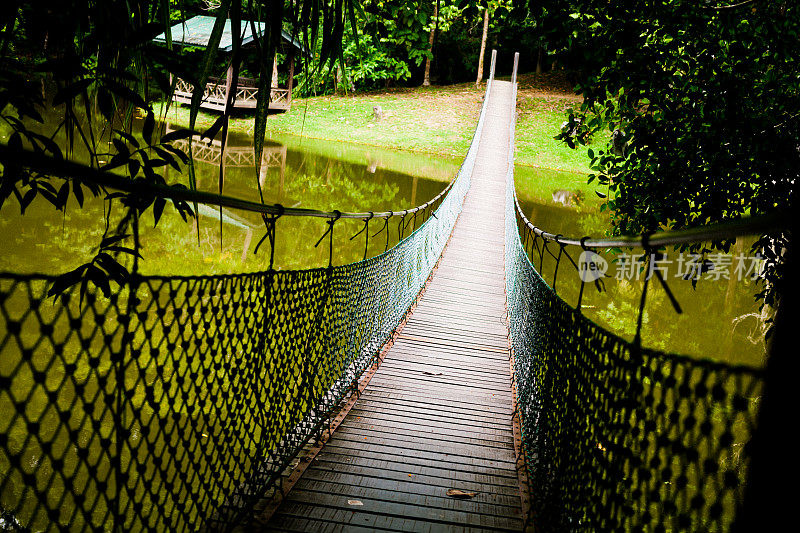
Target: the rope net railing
(177, 403)
(617, 437)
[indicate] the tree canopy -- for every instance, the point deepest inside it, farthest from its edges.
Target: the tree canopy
(690, 110)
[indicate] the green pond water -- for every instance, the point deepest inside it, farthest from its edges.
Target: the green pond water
(720, 318)
(295, 172)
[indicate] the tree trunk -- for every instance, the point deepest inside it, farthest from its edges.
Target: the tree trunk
(275, 70)
(290, 82)
(228, 85)
(427, 80)
(539, 58)
(483, 46)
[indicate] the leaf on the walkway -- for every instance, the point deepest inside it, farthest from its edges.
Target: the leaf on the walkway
(432, 373)
(355, 502)
(457, 493)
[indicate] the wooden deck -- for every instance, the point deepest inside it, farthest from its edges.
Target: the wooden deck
(437, 414)
(215, 96)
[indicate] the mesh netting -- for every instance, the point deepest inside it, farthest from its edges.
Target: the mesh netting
(618, 438)
(156, 413)
(180, 405)
(175, 404)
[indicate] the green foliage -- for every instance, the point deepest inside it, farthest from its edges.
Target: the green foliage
(389, 41)
(372, 62)
(95, 64)
(695, 107)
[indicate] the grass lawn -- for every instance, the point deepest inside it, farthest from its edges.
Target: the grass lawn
(438, 120)
(540, 112)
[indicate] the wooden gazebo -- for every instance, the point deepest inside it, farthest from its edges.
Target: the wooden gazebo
(196, 31)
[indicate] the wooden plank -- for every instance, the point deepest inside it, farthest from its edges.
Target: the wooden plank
(374, 431)
(437, 501)
(436, 363)
(413, 405)
(504, 504)
(423, 459)
(444, 394)
(425, 428)
(388, 508)
(445, 476)
(454, 409)
(354, 521)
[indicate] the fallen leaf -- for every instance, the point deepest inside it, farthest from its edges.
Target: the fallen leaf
(355, 502)
(433, 374)
(456, 493)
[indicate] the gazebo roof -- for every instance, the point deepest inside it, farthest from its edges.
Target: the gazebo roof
(197, 32)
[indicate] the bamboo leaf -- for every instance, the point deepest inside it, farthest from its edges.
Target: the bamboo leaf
(115, 270)
(178, 153)
(108, 241)
(158, 210)
(69, 92)
(62, 196)
(148, 127)
(77, 190)
(124, 250)
(133, 167)
(99, 278)
(176, 135)
(66, 280)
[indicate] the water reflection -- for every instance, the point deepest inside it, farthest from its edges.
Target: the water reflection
(294, 172)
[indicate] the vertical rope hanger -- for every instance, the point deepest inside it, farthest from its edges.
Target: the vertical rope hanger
(331, 222)
(637, 339)
(583, 283)
(365, 230)
(558, 260)
(386, 229)
(126, 345)
(269, 222)
(401, 226)
(652, 255)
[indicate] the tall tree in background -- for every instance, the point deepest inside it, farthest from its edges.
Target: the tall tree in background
(426, 81)
(483, 44)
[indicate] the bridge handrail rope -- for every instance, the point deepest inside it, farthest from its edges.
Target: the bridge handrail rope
(717, 231)
(616, 436)
(178, 402)
(751, 225)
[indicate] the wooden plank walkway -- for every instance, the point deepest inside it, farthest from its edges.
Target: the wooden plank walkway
(437, 414)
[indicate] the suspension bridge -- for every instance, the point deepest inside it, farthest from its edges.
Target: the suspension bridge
(436, 415)
(442, 385)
